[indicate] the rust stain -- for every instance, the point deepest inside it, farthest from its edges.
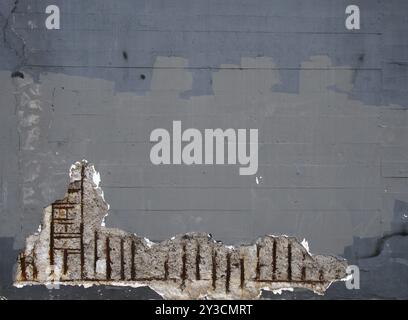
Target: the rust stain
(108, 259)
(198, 261)
(204, 265)
(228, 273)
(214, 269)
(122, 260)
(132, 267)
(242, 275)
(23, 267)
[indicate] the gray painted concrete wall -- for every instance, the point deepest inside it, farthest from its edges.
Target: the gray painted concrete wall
(330, 105)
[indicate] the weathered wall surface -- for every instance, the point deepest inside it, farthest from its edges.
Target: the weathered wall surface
(330, 106)
(73, 247)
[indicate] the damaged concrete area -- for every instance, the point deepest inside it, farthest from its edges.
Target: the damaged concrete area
(73, 247)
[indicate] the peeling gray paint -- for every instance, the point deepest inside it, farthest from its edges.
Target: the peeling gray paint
(73, 247)
(382, 262)
(326, 175)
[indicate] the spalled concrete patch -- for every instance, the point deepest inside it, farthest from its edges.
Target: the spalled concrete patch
(73, 247)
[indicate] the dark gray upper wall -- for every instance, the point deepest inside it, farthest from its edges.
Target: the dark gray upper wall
(96, 36)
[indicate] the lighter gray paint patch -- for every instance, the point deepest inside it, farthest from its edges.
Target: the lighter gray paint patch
(320, 153)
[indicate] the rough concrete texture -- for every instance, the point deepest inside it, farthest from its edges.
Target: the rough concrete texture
(73, 247)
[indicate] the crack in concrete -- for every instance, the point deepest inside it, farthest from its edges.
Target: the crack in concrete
(22, 53)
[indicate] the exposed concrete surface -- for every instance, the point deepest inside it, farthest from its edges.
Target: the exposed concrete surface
(73, 247)
(330, 105)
